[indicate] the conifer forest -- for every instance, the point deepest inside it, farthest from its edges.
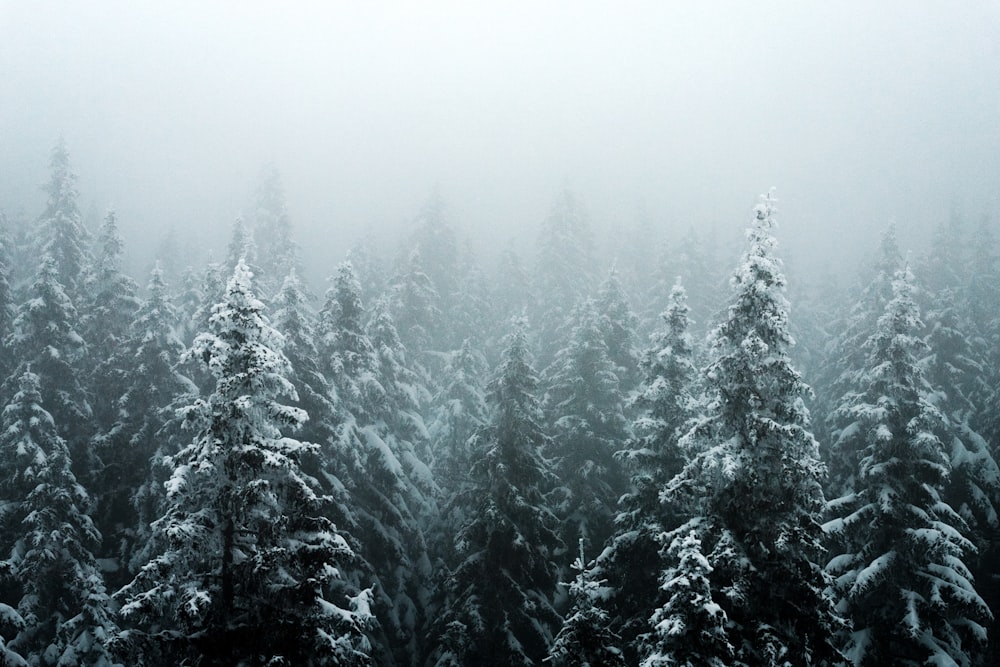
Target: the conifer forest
(584, 439)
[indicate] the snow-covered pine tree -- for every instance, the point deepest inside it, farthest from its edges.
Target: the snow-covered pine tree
(459, 410)
(586, 640)
(634, 562)
(415, 307)
(45, 339)
(846, 356)
(565, 271)
(315, 395)
(585, 409)
(62, 235)
(374, 457)
(242, 248)
(756, 482)
(957, 373)
(472, 312)
(51, 576)
(499, 609)
(435, 240)
(106, 312)
(131, 482)
(618, 325)
(689, 630)
(277, 254)
(248, 568)
(6, 299)
(900, 549)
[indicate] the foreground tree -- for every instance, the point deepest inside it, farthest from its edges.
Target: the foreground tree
(900, 566)
(499, 608)
(754, 489)
(50, 574)
(247, 569)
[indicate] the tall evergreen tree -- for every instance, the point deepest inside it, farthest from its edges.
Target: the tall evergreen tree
(755, 486)
(46, 340)
(248, 567)
(62, 235)
(107, 312)
(565, 271)
(130, 490)
(634, 562)
(618, 325)
(846, 357)
(278, 254)
(585, 408)
(901, 550)
(51, 576)
(377, 461)
(499, 608)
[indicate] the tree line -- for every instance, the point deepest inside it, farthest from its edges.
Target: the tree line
(436, 463)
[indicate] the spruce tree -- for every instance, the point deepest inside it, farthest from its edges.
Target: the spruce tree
(618, 325)
(278, 254)
(107, 312)
(665, 403)
(45, 339)
(755, 486)
(145, 429)
(586, 640)
(499, 607)
(689, 630)
(585, 408)
(565, 271)
(248, 567)
(900, 549)
(376, 458)
(51, 575)
(62, 235)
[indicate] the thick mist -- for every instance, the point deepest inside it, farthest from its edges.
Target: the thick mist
(859, 114)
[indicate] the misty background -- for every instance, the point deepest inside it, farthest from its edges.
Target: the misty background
(860, 113)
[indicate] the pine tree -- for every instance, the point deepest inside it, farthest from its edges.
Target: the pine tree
(315, 395)
(62, 235)
(900, 566)
(278, 253)
(585, 639)
(756, 483)
(435, 241)
(665, 403)
(107, 312)
(416, 306)
(459, 409)
(587, 422)
(130, 489)
(618, 325)
(6, 299)
(51, 575)
(248, 567)
(847, 357)
(689, 630)
(45, 339)
(376, 459)
(565, 270)
(499, 608)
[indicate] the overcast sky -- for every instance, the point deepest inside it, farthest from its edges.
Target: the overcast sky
(859, 112)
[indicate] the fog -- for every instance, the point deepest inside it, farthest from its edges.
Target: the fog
(860, 113)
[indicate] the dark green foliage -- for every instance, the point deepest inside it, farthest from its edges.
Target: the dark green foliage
(499, 607)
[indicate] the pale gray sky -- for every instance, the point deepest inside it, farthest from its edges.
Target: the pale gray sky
(860, 112)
